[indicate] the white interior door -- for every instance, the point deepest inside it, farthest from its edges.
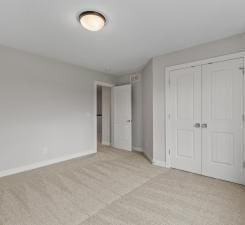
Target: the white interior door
(184, 119)
(122, 117)
(222, 143)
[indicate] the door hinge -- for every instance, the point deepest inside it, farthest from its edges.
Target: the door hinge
(242, 69)
(169, 82)
(169, 151)
(243, 164)
(243, 117)
(169, 116)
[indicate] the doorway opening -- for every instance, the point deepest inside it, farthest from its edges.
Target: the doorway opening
(113, 116)
(103, 115)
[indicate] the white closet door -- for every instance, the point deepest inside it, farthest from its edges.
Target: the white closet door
(222, 109)
(185, 117)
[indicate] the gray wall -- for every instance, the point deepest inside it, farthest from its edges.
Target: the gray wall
(47, 108)
(106, 115)
(137, 125)
(156, 80)
(147, 103)
(99, 113)
(99, 99)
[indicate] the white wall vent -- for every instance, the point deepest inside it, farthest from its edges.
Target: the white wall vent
(134, 78)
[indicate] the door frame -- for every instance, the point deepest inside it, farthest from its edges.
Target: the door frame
(169, 104)
(96, 84)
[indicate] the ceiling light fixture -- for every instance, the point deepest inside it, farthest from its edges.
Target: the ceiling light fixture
(92, 21)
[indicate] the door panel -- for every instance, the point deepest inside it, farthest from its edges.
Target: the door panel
(185, 96)
(223, 148)
(185, 140)
(122, 117)
(222, 88)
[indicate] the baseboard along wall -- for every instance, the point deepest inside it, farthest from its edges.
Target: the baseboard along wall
(43, 164)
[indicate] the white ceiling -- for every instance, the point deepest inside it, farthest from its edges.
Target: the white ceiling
(136, 31)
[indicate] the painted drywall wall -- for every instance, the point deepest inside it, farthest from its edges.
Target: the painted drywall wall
(137, 126)
(157, 81)
(47, 109)
(106, 115)
(99, 100)
(147, 107)
(99, 113)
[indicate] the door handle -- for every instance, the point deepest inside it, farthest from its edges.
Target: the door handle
(197, 125)
(204, 125)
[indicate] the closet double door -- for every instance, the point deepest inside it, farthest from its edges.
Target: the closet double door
(206, 119)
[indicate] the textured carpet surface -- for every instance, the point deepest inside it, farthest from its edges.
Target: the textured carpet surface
(116, 187)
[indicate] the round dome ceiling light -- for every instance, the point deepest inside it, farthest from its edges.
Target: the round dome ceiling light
(92, 21)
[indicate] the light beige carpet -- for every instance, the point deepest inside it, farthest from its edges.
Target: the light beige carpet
(118, 188)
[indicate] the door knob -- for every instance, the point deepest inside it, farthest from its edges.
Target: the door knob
(204, 125)
(197, 125)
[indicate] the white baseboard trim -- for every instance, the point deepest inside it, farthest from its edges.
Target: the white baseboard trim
(137, 149)
(43, 164)
(147, 156)
(158, 163)
(153, 162)
(128, 150)
(106, 143)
